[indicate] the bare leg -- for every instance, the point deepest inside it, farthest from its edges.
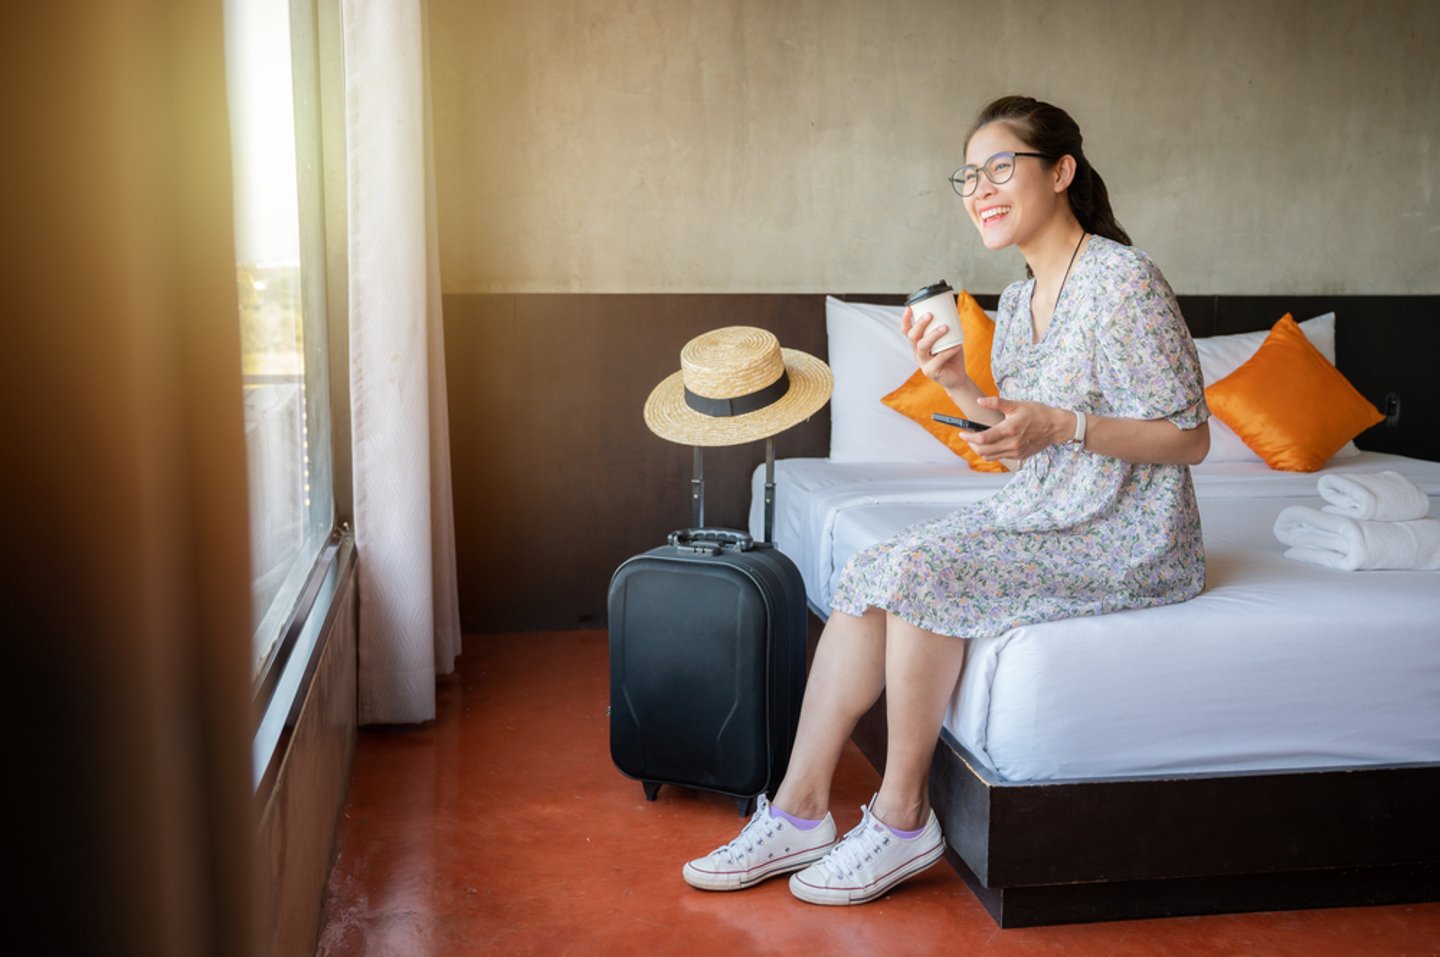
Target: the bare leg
(846, 678)
(921, 669)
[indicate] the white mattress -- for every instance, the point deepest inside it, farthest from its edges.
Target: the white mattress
(1278, 664)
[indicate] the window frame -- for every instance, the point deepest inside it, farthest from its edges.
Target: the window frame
(282, 680)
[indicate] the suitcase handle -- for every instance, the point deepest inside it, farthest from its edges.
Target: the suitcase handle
(711, 540)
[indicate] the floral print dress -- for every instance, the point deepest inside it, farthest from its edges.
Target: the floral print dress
(1073, 533)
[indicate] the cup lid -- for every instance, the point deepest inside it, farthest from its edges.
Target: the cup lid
(934, 289)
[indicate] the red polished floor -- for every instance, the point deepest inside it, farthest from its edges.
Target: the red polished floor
(503, 828)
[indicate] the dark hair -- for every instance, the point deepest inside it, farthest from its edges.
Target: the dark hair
(1049, 130)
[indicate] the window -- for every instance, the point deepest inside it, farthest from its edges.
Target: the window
(271, 54)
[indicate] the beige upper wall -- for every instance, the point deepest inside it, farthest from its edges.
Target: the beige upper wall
(803, 146)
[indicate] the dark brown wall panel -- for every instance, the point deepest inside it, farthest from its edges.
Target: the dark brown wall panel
(557, 479)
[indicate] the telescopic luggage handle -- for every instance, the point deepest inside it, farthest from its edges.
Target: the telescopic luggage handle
(697, 491)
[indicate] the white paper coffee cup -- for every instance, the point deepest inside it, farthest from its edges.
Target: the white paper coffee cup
(938, 299)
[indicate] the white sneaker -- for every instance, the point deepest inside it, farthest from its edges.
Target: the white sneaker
(766, 846)
(868, 862)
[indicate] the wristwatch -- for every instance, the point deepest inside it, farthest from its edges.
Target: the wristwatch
(1080, 423)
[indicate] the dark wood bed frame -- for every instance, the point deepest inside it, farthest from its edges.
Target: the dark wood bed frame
(1109, 849)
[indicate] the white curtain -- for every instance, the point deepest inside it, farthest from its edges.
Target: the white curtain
(404, 517)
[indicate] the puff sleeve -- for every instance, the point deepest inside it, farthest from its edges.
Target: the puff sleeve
(1146, 365)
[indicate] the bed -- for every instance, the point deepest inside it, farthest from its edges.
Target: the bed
(1274, 743)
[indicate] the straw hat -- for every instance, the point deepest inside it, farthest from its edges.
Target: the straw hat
(736, 385)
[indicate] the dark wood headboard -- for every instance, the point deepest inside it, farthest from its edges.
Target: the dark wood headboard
(1387, 346)
(557, 480)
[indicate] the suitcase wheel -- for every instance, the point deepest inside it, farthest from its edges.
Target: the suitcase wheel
(746, 806)
(652, 788)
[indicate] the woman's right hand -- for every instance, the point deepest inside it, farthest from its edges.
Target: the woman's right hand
(947, 368)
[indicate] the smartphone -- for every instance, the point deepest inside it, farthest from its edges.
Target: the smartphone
(959, 423)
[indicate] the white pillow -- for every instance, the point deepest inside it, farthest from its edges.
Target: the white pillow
(870, 358)
(1222, 355)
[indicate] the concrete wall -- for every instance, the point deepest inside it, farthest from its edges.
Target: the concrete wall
(1251, 146)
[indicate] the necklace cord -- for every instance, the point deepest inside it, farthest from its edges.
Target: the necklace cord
(1063, 279)
(1068, 267)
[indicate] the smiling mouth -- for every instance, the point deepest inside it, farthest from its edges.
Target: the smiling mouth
(992, 214)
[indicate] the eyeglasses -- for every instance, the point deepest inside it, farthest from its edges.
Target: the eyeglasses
(998, 169)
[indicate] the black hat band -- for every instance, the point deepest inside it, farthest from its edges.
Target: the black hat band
(740, 404)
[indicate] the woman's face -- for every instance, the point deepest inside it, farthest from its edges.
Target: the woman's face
(1013, 211)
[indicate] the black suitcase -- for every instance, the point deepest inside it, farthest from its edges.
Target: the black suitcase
(707, 659)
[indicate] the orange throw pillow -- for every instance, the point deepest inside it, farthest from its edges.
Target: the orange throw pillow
(1289, 404)
(979, 332)
(920, 396)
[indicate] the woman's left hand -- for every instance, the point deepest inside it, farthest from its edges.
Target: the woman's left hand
(1028, 427)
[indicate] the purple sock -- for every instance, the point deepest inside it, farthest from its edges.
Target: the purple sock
(907, 835)
(799, 823)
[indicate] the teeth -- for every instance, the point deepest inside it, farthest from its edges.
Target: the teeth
(994, 211)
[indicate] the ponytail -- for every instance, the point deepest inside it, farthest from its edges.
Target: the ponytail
(1090, 202)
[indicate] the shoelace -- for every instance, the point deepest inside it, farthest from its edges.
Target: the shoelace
(748, 838)
(852, 853)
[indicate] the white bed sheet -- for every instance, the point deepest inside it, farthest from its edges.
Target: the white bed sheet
(1278, 664)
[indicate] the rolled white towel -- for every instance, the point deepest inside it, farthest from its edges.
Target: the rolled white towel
(1374, 497)
(1336, 541)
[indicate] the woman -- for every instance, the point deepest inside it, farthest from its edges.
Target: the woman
(1101, 410)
